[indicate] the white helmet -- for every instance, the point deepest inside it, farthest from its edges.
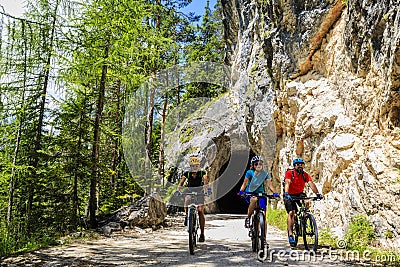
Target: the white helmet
(256, 158)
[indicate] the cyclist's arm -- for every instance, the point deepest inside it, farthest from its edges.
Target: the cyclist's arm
(287, 185)
(313, 187)
(205, 181)
(181, 182)
(245, 181)
(270, 186)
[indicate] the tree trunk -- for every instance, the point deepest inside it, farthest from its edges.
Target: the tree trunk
(149, 124)
(161, 153)
(96, 143)
(149, 133)
(20, 118)
(115, 152)
(38, 137)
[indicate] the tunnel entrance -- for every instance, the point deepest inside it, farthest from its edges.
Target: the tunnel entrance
(231, 202)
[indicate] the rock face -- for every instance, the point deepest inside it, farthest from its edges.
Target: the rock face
(318, 80)
(330, 71)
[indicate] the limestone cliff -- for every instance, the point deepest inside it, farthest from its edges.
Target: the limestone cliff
(330, 71)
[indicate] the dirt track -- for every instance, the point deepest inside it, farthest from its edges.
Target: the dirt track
(227, 244)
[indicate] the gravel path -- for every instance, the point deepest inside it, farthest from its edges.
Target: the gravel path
(227, 244)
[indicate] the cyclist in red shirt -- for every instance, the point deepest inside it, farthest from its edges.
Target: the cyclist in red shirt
(295, 182)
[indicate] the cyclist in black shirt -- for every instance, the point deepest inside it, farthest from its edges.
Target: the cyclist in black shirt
(196, 179)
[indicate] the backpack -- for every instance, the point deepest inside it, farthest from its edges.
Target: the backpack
(283, 181)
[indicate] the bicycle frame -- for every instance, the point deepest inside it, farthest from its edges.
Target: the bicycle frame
(305, 224)
(257, 228)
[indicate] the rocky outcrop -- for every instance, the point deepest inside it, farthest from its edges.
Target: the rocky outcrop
(330, 71)
(317, 80)
(147, 212)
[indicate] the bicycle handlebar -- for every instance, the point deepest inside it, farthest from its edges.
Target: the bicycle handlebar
(194, 193)
(305, 198)
(258, 195)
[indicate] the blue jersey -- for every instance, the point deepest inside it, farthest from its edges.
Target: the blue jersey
(256, 182)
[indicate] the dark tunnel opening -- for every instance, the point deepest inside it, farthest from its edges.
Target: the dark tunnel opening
(232, 203)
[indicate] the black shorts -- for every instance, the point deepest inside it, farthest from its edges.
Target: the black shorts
(292, 204)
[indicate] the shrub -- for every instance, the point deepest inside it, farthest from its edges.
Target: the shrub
(360, 234)
(327, 238)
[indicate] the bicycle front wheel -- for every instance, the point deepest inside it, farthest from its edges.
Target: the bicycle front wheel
(254, 233)
(261, 234)
(192, 230)
(310, 233)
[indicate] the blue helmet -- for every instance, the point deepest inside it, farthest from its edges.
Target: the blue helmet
(256, 158)
(298, 160)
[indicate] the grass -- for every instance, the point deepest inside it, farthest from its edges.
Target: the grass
(277, 218)
(12, 243)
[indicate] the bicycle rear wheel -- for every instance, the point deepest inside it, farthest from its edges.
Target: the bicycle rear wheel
(261, 235)
(310, 233)
(192, 230)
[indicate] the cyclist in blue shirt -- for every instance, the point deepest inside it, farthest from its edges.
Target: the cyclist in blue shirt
(255, 181)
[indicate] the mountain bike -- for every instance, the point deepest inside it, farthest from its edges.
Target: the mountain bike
(192, 224)
(257, 226)
(305, 224)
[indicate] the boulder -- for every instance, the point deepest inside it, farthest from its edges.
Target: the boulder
(149, 211)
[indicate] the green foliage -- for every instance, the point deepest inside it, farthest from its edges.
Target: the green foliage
(111, 46)
(360, 234)
(16, 241)
(207, 46)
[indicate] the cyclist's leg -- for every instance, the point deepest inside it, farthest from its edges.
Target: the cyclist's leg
(252, 205)
(202, 218)
(290, 207)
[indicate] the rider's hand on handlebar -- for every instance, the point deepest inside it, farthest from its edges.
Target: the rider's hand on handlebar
(287, 196)
(209, 191)
(275, 194)
(319, 196)
(178, 193)
(240, 193)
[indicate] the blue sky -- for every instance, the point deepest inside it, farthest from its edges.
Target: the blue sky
(197, 6)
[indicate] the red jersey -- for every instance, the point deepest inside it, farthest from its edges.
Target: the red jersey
(298, 182)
